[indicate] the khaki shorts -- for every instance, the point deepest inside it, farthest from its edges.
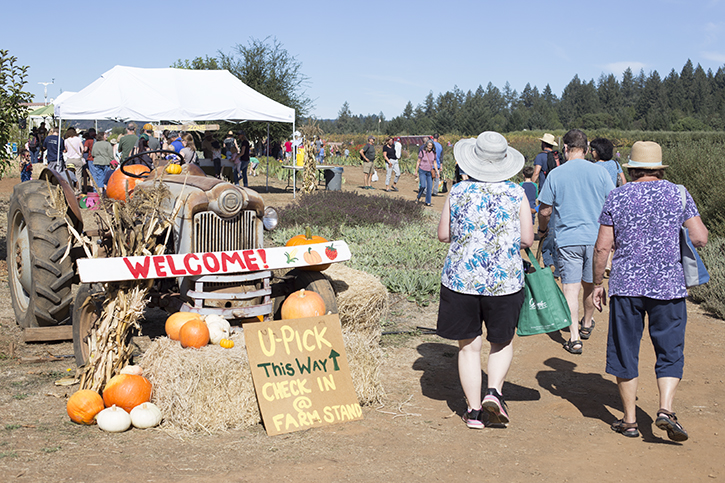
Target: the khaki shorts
(368, 168)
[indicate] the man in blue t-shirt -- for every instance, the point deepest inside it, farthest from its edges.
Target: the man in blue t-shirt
(575, 193)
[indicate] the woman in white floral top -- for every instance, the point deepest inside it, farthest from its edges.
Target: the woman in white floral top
(487, 221)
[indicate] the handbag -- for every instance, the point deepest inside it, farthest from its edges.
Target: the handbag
(545, 308)
(695, 271)
(375, 176)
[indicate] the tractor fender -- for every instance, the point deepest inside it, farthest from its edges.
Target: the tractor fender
(74, 209)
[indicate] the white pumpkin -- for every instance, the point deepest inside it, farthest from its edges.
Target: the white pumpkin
(113, 420)
(145, 415)
(218, 328)
(132, 370)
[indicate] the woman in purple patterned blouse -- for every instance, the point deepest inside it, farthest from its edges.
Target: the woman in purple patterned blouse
(642, 220)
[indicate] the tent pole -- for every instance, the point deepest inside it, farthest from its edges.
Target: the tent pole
(267, 157)
(294, 161)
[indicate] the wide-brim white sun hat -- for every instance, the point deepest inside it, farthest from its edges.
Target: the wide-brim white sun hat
(488, 157)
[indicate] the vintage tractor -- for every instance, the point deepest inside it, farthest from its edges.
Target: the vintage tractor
(214, 215)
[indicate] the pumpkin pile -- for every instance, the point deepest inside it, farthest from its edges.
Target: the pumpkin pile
(126, 400)
(196, 331)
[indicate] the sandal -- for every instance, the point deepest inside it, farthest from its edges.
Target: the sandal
(585, 332)
(574, 346)
(668, 422)
(630, 430)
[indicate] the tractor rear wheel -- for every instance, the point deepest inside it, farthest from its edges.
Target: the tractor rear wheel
(40, 273)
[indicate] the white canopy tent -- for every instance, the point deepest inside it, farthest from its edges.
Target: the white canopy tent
(132, 93)
(138, 94)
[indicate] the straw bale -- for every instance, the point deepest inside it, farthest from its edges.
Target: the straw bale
(364, 356)
(201, 390)
(362, 300)
(210, 389)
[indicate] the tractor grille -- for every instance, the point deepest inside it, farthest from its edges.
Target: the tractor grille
(213, 233)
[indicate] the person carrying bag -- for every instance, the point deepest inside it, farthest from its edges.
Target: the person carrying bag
(545, 309)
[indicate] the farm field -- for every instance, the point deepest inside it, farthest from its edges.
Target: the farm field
(561, 407)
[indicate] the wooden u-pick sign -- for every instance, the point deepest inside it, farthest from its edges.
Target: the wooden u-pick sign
(117, 269)
(300, 373)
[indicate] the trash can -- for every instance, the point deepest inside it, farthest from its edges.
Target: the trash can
(333, 179)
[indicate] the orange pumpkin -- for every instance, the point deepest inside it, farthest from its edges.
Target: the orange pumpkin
(117, 183)
(83, 406)
(176, 321)
(194, 333)
(301, 304)
(308, 239)
(127, 391)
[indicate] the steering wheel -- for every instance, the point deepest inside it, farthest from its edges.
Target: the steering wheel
(126, 162)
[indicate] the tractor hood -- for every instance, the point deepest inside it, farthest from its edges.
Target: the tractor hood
(201, 193)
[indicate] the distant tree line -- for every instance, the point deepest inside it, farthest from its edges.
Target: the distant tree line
(691, 100)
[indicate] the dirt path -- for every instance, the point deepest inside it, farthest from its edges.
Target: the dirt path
(561, 406)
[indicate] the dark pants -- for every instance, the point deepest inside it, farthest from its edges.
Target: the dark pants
(217, 167)
(667, 321)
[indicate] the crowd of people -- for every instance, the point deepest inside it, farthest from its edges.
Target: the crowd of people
(92, 155)
(588, 211)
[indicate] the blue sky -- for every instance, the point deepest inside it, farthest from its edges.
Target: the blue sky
(376, 55)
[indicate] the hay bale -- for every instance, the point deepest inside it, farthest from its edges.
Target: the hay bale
(210, 389)
(362, 300)
(201, 390)
(365, 357)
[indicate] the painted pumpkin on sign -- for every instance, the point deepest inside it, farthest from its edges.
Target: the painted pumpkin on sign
(310, 256)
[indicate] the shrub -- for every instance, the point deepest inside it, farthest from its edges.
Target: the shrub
(335, 209)
(695, 164)
(712, 294)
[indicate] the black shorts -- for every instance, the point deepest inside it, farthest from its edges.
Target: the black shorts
(460, 315)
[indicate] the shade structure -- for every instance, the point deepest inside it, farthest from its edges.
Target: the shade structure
(140, 94)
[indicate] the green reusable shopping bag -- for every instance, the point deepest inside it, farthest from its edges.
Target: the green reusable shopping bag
(545, 308)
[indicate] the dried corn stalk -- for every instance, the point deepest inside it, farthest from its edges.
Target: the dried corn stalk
(309, 177)
(137, 227)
